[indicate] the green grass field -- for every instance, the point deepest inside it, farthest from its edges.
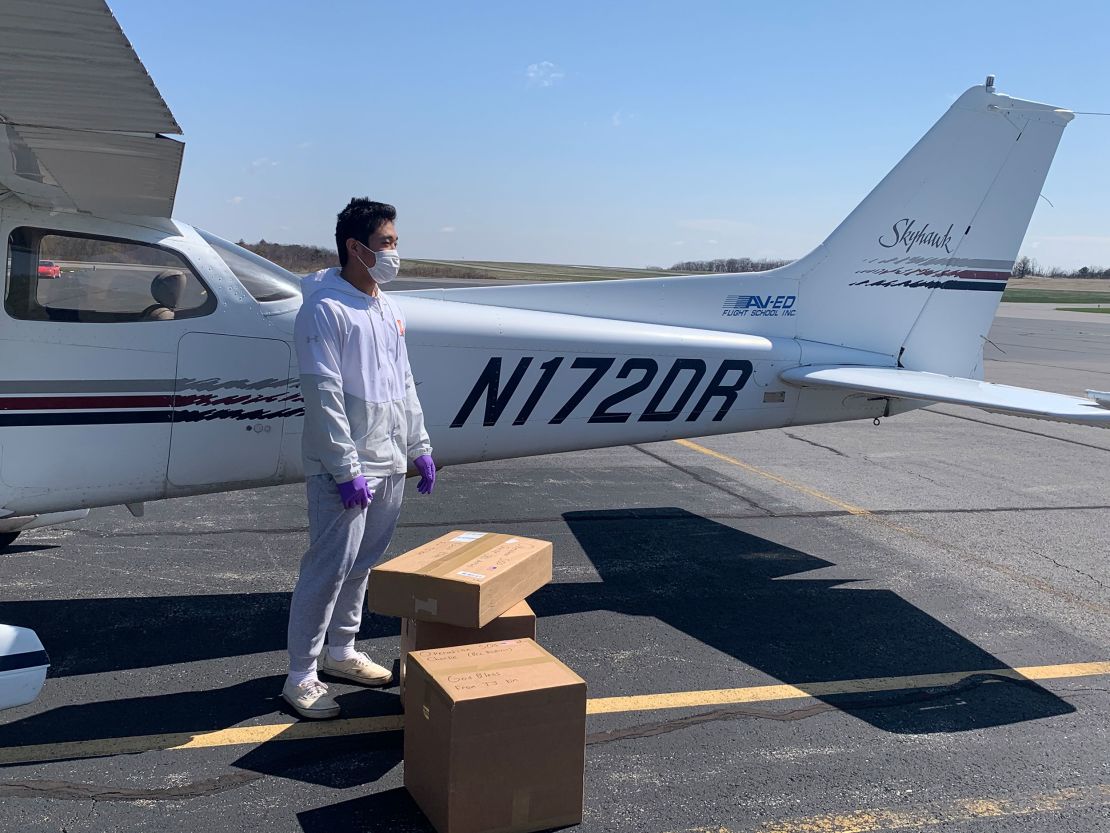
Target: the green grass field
(1055, 296)
(1083, 309)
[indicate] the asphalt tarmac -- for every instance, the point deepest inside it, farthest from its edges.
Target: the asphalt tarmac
(892, 576)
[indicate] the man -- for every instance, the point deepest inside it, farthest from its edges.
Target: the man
(362, 425)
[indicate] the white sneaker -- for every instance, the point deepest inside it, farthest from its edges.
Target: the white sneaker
(310, 699)
(360, 669)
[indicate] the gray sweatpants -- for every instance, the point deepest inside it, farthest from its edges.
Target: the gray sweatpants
(343, 545)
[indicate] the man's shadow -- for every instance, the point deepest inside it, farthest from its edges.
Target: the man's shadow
(93, 636)
(732, 591)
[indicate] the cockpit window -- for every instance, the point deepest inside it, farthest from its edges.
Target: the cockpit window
(265, 281)
(65, 276)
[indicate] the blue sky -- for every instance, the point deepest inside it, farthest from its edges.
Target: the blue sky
(613, 133)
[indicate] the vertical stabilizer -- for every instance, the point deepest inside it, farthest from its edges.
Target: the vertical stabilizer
(917, 270)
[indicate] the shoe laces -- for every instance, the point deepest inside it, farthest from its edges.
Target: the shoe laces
(313, 687)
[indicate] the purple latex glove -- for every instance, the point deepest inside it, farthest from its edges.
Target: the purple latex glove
(355, 493)
(427, 468)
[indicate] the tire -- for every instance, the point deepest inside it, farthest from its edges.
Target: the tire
(7, 539)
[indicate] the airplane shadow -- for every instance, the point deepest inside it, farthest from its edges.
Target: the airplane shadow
(732, 591)
(729, 590)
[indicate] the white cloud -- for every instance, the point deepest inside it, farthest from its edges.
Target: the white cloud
(679, 243)
(261, 163)
(544, 74)
(447, 229)
(303, 145)
(621, 118)
(235, 200)
(711, 242)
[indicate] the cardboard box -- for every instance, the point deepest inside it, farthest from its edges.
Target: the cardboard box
(495, 738)
(464, 578)
(518, 622)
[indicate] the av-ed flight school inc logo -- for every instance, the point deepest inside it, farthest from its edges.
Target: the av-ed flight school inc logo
(752, 306)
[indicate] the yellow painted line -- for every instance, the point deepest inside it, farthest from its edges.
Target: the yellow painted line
(253, 735)
(916, 817)
(770, 693)
(800, 487)
(236, 736)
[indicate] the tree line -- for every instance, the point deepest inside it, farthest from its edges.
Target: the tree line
(1027, 267)
(729, 264)
(293, 256)
(304, 259)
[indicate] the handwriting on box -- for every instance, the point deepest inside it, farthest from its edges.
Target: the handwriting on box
(481, 680)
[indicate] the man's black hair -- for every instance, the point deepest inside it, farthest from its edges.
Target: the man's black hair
(361, 218)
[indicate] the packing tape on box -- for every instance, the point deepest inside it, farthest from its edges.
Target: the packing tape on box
(447, 564)
(496, 666)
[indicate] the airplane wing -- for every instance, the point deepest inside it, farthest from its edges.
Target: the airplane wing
(81, 122)
(934, 387)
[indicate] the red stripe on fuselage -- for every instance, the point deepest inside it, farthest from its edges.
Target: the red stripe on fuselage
(69, 403)
(60, 403)
(974, 275)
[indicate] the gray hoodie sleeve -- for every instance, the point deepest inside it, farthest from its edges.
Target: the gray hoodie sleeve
(418, 441)
(327, 432)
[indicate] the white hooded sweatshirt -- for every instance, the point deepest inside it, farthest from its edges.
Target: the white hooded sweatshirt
(361, 412)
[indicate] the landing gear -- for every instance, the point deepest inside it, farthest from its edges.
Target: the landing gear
(7, 539)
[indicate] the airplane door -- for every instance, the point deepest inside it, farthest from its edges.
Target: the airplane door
(230, 398)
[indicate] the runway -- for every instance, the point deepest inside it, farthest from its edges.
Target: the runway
(832, 628)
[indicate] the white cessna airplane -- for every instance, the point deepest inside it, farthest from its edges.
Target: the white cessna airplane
(145, 359)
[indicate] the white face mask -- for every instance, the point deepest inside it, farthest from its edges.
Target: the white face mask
(386, 264)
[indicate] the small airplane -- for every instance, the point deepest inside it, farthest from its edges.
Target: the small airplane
(159, 362)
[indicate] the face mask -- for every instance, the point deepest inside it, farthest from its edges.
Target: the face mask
(386, 264)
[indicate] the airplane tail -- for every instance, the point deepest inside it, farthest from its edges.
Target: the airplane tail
(914, 274)
(917, 270)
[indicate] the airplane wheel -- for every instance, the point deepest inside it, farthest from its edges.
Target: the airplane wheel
(7, 539)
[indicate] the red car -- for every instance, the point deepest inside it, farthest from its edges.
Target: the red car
(49, 269)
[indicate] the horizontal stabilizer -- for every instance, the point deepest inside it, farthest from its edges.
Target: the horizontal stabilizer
(934, 387)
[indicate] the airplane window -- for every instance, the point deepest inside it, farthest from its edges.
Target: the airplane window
(61, 276)
(265, 281)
